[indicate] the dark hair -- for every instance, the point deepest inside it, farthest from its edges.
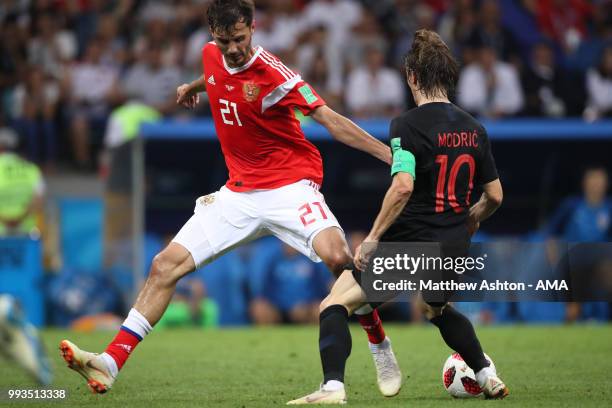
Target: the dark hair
(433, 65)
(223, 15)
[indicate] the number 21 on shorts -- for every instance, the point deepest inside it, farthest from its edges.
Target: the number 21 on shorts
(308, 216)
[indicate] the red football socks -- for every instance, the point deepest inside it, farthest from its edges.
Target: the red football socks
(373, 326)
(122, 346)
(134, 328)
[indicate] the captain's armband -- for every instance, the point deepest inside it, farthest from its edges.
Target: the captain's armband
(403, 160)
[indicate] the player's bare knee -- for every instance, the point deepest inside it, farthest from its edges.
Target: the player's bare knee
(331, 300)
(163, 270)
(337, 261)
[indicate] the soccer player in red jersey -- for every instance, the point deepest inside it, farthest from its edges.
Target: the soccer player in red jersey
(273, 187)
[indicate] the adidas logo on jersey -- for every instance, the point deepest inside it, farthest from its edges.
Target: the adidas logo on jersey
(211, 80)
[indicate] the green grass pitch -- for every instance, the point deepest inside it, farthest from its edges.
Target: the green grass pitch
(544, 366)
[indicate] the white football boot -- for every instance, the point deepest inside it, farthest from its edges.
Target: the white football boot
(90, 365)
(388, 374)
(324, 396)
(21, 342)
(494, 388)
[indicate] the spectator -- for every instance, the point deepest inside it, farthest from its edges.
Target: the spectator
(21, 189)
(564, 21)
(277, 27)
(84, 17)
(489, 87)
(91, 89)
(490, 32)
(193, 48)
(115, 49)
(338, 16)
(586, 218)
(152, 83)
(599, 87)
(543, 84)
(13, 57)
(365, 35)
(50, 47)
(408, 17)
(320, 65)
(34, 108)
(319, 78)
(290, 288)
(161, 34)
(158, 10)
(374, 90)
(589, 51)
(457, 26)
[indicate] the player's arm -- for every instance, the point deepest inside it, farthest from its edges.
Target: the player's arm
(187, 94)
(490, 200)
(403, 170)
(346, 131)
(395, 200)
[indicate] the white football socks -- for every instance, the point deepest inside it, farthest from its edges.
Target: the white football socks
(137, 323)
(110, 364)
(382, 345)
(333, 385)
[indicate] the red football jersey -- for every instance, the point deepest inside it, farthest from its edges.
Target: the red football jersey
(253, 110)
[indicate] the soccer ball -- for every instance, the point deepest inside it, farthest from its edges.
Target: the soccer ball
(459, 379)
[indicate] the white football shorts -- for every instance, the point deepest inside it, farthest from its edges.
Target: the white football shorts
(224, 220)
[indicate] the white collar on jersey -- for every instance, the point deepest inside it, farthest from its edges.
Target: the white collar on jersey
(233, 71)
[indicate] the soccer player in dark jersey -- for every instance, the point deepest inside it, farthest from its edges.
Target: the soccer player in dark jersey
(439, 153)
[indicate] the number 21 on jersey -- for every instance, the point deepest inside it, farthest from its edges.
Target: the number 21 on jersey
(226, 110)
(442, 160)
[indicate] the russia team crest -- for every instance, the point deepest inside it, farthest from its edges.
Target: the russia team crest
(250, 91)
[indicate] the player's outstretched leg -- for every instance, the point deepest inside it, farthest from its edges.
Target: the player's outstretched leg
(335, 347)
(388, 373)
(332, 248)
(20, 341)
(335, 340)
(100, 370)
(458, 333)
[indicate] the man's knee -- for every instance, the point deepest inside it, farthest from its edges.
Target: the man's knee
(337, 261)
(164, 270)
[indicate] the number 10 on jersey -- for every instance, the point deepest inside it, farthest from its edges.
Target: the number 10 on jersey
(225, 110)
(442, 160)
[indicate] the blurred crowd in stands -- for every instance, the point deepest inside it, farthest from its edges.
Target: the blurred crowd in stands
(66, 64)
(267, 282)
